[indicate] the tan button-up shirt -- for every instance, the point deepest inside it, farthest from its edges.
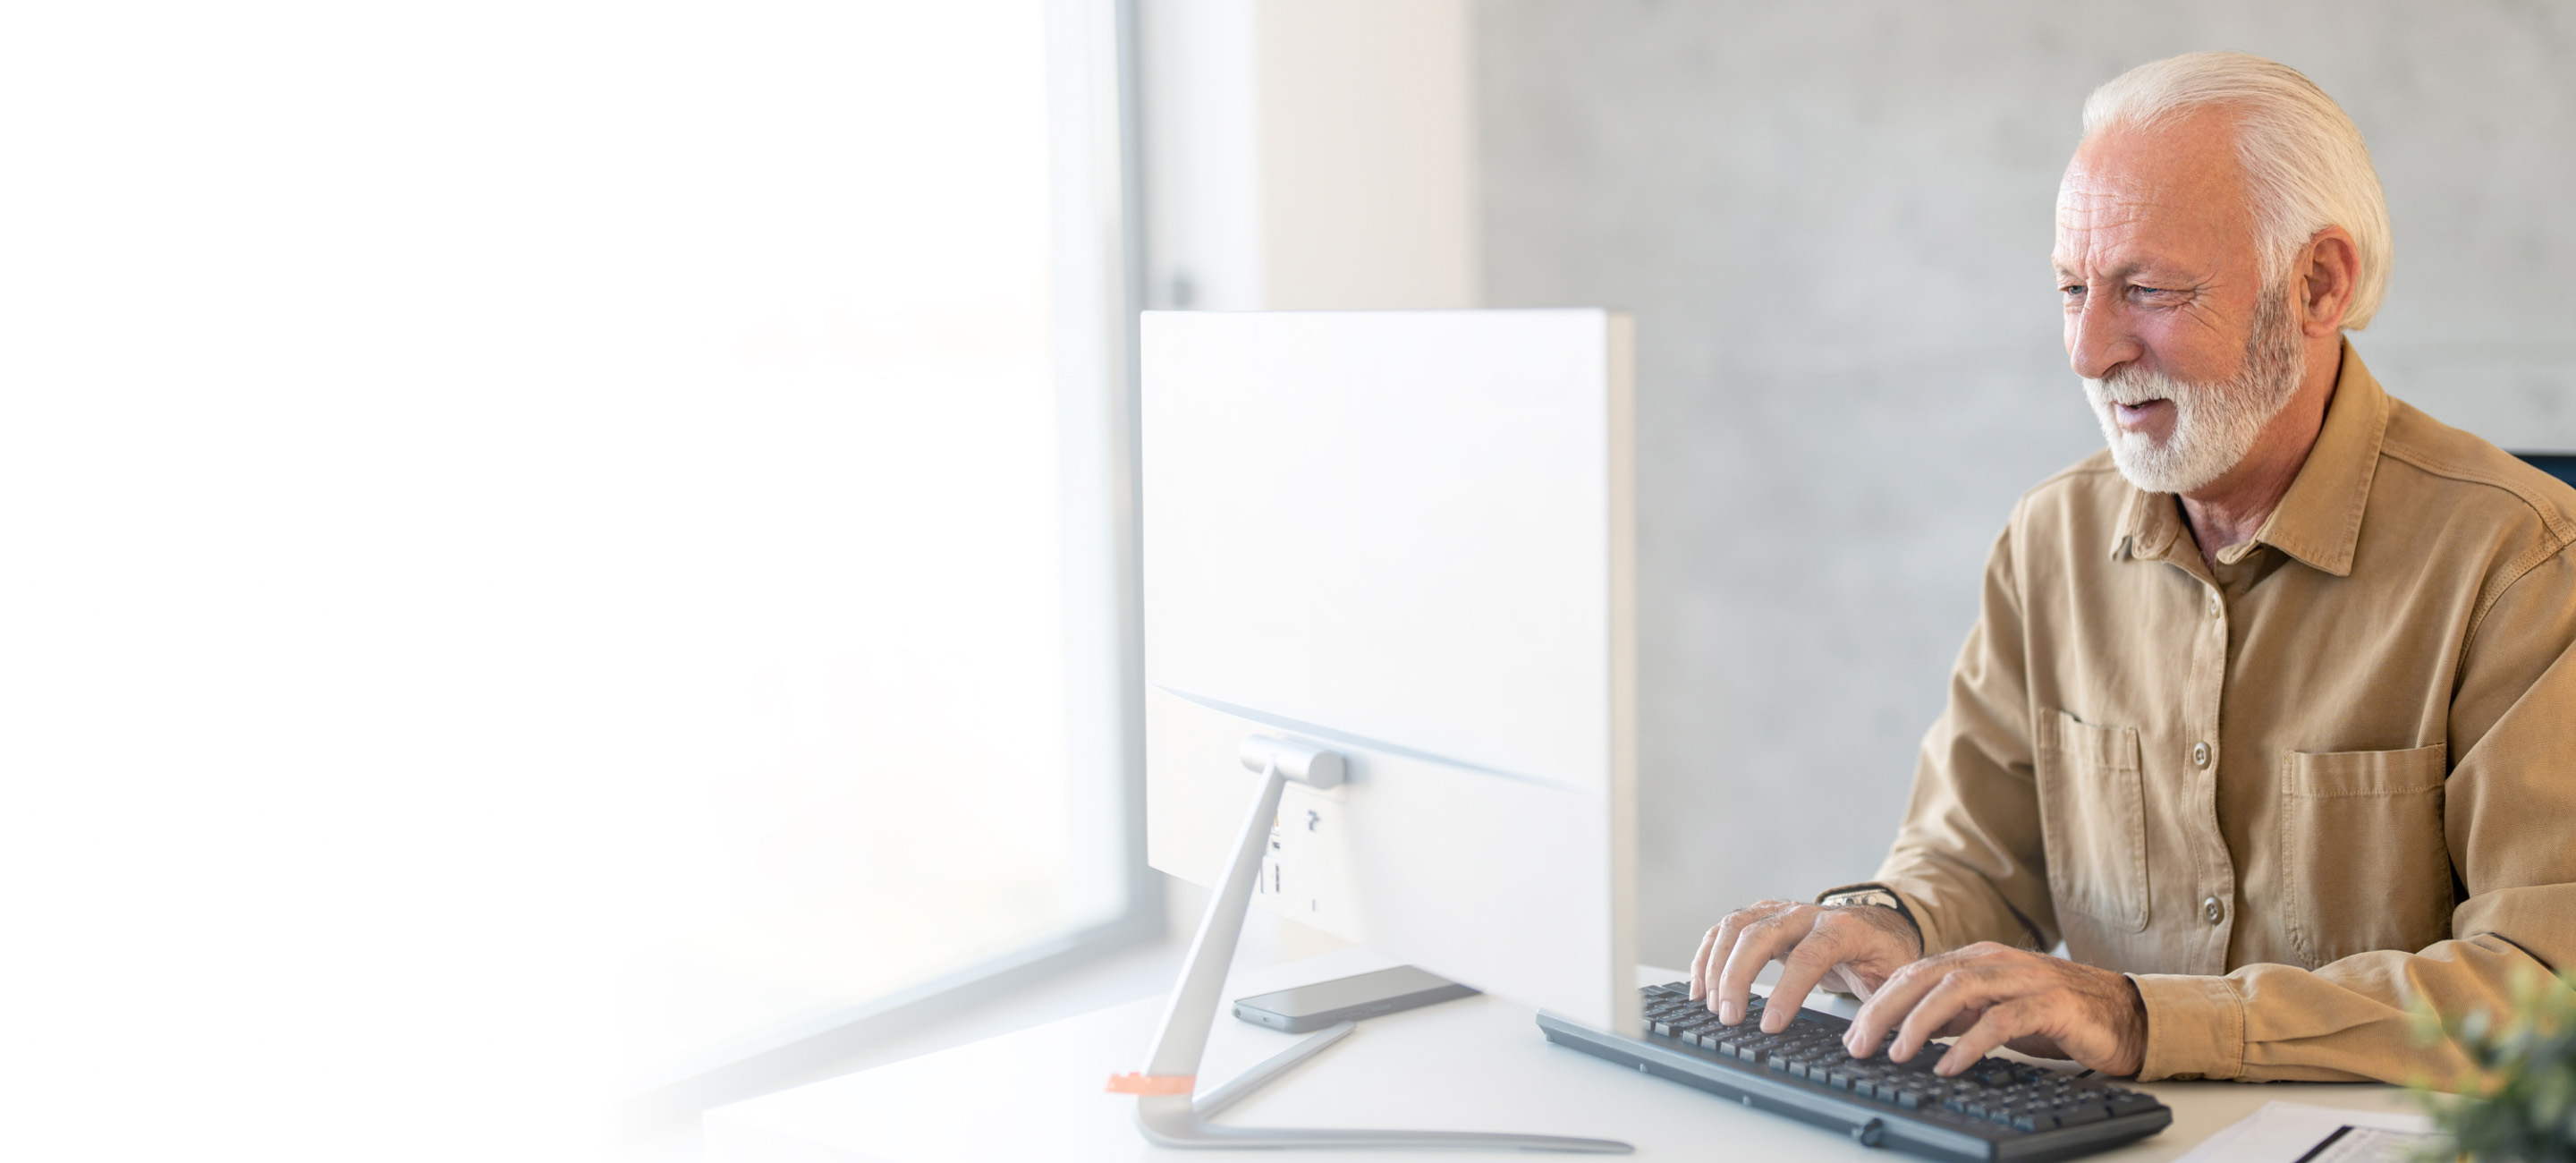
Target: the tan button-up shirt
(2290, 795)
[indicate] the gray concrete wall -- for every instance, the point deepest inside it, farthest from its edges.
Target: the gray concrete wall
(1832, 221)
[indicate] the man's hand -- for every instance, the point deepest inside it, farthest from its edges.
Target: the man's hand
(1993, 995)
(1866, 941)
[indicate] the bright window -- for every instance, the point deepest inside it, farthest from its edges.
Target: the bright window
(524, 509)
(879, 790)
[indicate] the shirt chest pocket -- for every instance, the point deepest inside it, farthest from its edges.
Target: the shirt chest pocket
(2093, 820)
(2364, 864)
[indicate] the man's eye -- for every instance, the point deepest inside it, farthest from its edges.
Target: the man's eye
(2072, 289)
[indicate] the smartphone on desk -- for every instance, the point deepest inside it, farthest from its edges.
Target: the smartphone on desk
(1313, 1007)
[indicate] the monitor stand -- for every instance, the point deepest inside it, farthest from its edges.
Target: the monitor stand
(1164, 1107)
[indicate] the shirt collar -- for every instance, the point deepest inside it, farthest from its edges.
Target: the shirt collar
(2319, 520)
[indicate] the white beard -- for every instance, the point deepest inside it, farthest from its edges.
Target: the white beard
(2215, 424)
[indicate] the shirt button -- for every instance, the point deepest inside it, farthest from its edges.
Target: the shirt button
(2214, 911)
(2215, 607)
(2200, 755)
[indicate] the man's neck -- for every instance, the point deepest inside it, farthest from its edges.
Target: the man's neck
(2228, 511)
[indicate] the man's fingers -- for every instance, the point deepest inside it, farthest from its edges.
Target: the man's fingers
(1721, 945)
(1699, 960)
(1895, 996)
(1754, 947)
(2002, 1023)
(1722, 942)
(1712, 953)
(1990, 996)
(1898, 996)
(1824, 946)
(1952, 1006)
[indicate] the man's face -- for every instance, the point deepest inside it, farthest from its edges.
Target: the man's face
(2185, 355)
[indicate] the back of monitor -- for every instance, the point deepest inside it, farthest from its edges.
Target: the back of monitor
(1406, 536)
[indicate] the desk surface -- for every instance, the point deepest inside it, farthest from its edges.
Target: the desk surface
(1477, 1063)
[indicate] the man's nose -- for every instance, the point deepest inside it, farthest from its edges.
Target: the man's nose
(2098, 338)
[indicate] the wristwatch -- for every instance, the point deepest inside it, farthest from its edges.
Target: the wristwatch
(1878, 895)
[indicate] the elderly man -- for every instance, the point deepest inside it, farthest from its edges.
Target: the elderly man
(2270, 713)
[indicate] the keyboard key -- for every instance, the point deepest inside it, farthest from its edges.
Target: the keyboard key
(2129, 1104)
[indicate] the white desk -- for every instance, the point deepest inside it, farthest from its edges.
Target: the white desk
(1478, 1063)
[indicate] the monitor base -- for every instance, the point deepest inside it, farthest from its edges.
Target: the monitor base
(1165, 1112)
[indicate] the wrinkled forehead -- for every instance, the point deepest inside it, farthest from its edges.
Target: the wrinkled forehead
(2174, 189)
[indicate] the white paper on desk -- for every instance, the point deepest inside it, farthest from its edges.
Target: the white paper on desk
(2286, 1132)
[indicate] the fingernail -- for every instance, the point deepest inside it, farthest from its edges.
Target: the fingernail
(1729, 1012)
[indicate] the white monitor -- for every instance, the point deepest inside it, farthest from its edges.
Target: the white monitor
(1407, 537)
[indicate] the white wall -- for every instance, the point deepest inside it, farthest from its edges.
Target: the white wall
(1309, 154)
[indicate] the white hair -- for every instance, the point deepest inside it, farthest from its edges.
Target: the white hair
(2305, 164)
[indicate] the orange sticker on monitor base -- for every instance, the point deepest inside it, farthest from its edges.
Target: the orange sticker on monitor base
(1152, 1084)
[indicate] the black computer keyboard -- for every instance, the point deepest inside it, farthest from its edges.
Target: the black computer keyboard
(1998, 1109)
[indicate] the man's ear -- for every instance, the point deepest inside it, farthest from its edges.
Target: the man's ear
(2329, 270)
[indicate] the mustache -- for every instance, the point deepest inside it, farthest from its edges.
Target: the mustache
(2133, 386)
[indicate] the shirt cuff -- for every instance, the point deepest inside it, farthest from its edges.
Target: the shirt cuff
(2195, 1027)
